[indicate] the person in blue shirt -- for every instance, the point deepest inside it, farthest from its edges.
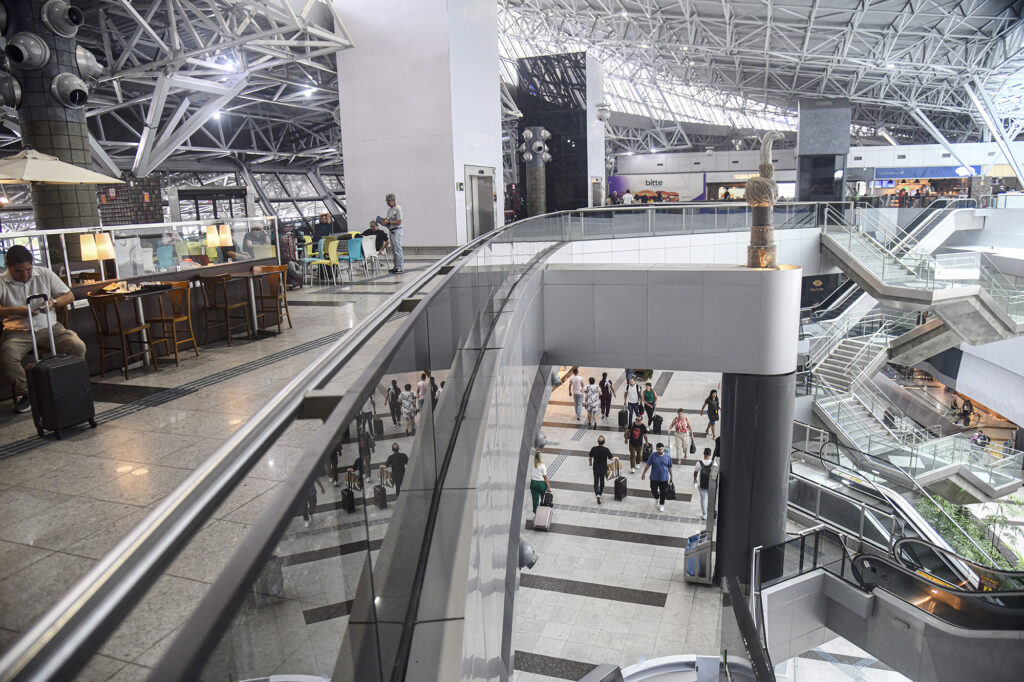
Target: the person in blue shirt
(660, 466)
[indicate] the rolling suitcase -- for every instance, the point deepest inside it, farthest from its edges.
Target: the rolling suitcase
(623, 418)
(58, 386)
(348, 500)
(380, 496)
(378, 427)
(620, 488)
(542, 521)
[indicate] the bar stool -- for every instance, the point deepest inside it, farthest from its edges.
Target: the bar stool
(212, 303)
(112, 327)
(181, 313)
(275, 299)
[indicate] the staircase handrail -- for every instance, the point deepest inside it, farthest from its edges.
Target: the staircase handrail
(840, 329)
(905, 429)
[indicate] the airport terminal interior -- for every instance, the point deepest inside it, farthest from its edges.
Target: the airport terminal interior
(704, 363)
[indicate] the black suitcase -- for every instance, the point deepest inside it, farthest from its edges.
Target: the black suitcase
(378, 427)
(58, 387)
(548, 500)
(623, 418)
(348, 500)
(620, 488)
(658, 419)
(380, 496)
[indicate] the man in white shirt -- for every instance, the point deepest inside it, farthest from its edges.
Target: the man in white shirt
(393, 221)
(576, 391)
(702, 479)
(633, 404)
(422, 390)
(21, 280)
(627, 198)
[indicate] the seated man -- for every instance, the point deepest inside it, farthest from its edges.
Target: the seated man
(257, 237)
(21, 280)
(375, 231)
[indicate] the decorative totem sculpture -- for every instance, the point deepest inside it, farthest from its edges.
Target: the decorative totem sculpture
(761, 194)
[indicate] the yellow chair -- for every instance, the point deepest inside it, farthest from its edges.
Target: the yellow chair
(181, 250)
(331, 261)
(309, 246)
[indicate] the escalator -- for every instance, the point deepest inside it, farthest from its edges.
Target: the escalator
(835, 304)
(915, 623)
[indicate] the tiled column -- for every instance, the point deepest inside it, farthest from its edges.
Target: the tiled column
(49, 127)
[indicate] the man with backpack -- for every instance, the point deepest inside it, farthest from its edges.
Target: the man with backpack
(636, 438)
(702, 479)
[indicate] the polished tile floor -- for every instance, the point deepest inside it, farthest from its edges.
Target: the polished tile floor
(66, 503)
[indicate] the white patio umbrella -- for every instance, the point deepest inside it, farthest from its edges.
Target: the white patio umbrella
(29, 165)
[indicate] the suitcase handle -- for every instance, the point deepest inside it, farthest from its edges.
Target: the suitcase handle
(32, 329)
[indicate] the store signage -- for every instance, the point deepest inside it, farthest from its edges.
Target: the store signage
(914, 172)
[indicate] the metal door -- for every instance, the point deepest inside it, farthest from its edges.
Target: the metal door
(479, 201)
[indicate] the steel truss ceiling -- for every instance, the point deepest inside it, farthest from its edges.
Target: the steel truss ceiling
(252, 80)
(197, 82)
(746, 63)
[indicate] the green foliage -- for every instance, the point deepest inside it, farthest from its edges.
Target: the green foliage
(951, 534)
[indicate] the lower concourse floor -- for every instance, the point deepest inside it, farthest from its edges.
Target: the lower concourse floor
(608, 586)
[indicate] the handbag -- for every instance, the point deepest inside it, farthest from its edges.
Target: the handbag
(693, 445)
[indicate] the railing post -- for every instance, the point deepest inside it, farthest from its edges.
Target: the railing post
(755, 578)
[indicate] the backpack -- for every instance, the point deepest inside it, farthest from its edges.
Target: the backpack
(705, 474)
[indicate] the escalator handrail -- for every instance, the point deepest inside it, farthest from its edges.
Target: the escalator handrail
(953, 555)
(970, 594)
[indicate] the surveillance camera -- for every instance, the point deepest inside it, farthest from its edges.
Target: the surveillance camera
(539, 439)
(709, 151)
(527, 554)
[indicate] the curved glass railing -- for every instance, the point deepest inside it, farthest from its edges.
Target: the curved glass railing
(224, 579)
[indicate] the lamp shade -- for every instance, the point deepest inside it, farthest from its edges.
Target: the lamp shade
(212, 237)
(87, 242)
(225, 236)
(104, 246)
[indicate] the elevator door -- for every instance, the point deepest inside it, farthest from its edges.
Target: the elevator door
(479, 201)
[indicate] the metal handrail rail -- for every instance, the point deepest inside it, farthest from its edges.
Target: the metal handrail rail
(86, 613)
(1009, 573)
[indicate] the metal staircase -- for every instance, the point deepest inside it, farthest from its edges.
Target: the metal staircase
(844, 360)
(971, 300)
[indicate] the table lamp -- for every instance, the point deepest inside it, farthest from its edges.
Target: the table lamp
(87, 243)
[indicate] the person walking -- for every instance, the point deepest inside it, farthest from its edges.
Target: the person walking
(408, 399)
(397, 461)
(576, 391)
(650, 398)
(714, 412)
(682, 433)
(592, 401)
(661, 475)
(394, 400)
(310, 506)
(422, 391)
(607, 393)
(633, 396)
(598, 460)
(636, 437)
(702, 479)
(366, 412)
(393, 221)
(435, 393)
(539, 484)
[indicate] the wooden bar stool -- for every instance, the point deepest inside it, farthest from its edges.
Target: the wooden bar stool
(106, 311)
(275, 299)
(181, 313)
(215, 300)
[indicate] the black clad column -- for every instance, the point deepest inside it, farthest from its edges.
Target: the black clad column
(757, 434)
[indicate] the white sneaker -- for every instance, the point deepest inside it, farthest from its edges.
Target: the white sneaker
(661, 507)
(306, 522)
(632, 470)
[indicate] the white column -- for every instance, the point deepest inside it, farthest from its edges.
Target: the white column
(419, 102)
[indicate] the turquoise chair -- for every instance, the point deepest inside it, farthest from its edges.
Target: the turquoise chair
(355, 255)
(308, 260)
